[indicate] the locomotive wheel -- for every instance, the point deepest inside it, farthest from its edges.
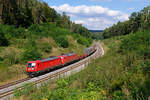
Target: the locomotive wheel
(31, 75)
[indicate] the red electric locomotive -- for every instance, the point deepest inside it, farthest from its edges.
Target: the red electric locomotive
(38, 66)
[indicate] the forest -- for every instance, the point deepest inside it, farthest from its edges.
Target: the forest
(23, 13)
(137, 21)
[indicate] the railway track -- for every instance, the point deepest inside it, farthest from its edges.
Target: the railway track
(14, 82)
(8, 89)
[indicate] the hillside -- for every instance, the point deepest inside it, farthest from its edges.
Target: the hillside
(29, 30)
(122, 73)
(37, 41)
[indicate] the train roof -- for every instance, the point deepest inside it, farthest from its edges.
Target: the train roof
(69, 54)
(54, 57)
(50, 58)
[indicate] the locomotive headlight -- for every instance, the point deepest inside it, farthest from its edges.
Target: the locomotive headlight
(33, 64)
(33, 68)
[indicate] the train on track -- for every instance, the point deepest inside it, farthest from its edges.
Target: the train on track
(38, 67)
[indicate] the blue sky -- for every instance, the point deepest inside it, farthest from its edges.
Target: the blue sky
(98, 14)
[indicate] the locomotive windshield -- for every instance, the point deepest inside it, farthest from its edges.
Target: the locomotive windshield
(31, 65)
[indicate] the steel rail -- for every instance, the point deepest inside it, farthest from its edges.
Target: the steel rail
(14, 82)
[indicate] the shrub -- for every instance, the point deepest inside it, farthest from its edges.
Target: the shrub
(118, 95)
(138, 42)
(30, 44)
(61, 83)
(1, 59)
(20, 32)
(46, 47)
(82, 40)
(90, 40)
(9, 31)
(3, 40)
(35, 28)
(28, 88)
(136, 47)
(62, 41)
(31, 52)
(10, 55)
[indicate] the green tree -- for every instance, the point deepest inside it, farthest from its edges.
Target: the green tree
(137, 21)
(23, 13)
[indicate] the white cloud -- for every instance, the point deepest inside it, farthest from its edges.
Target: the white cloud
(95, 23)
(93, 17)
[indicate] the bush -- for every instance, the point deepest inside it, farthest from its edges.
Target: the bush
(31, 52)
(138, 42)
(61, 83)
(90, 41)
(118, 95)
(62, 41)
(30, 44)
(3, 40)
(1, 59)
(46, 47)
(20, 32)
(82, 40)
(11, 55)
(35, 28)
(28, 88)
(9, 31)
(37, 31)
(136, 48)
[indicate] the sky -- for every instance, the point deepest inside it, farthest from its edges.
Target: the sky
(98, 14)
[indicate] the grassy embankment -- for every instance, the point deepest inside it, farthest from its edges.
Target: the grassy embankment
(121, 74)
(22, 45)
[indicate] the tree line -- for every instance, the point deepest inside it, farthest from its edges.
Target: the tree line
(23, 13)
(137, 21)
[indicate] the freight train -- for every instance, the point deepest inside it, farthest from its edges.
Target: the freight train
(37, 67)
